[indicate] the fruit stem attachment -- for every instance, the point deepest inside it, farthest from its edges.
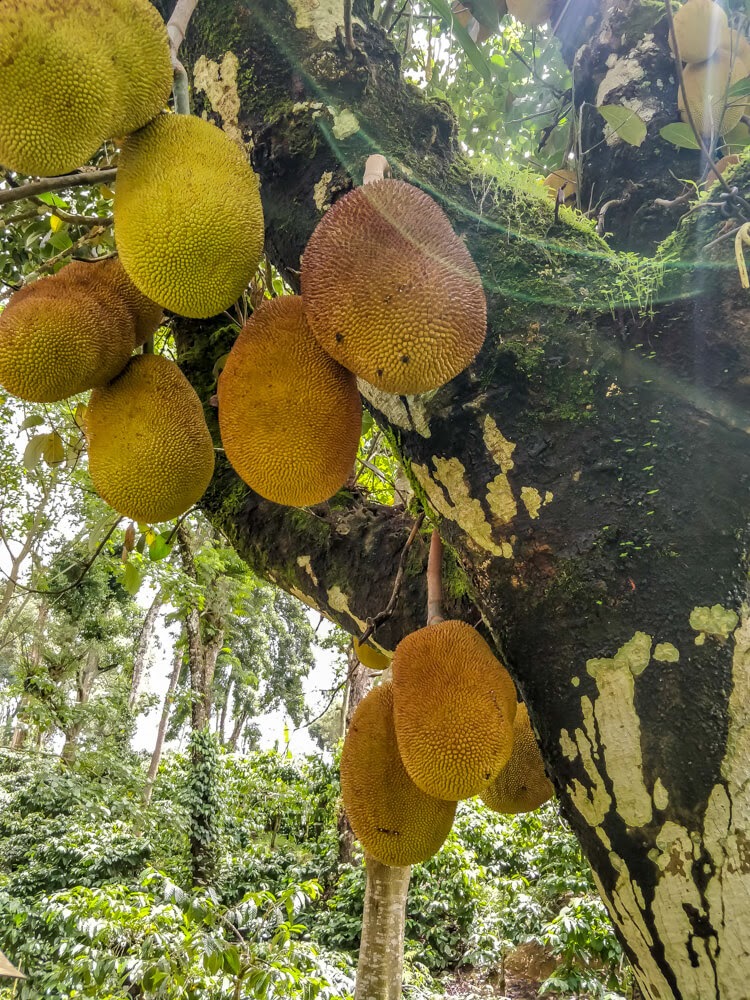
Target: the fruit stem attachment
(435, 580)
(176, 29)
(376, 168)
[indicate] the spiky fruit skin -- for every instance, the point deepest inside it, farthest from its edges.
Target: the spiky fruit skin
(72, 331)
(139, 44)
(700, 27)
(706, 85)
(390, 291)
(370, 657)
(57, 90)
(454, 710)
(188, 217)
(395, 822)
(532, 13)
(150, 452)
(522, 785)
(290, 416)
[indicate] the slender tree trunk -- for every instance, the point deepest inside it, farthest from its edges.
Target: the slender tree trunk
(225, 709)
(239, 725)
(141, 653)
(84, 685)
(20, 730)
(381, 949)
(153, 767)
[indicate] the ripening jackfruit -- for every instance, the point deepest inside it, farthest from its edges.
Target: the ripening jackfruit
(454, 705)
(72, 331)
(57, 88)
(188, 217)
(139, 47)
(290, 416)
(532, 13)
(522, 784)
(395, 822)
(390, 291)
(150, 451)
(700, 27)
(562, 178)
(706, 85)
(370, 657)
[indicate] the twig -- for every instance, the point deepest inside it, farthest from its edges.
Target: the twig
(612, 203)
(386, 613)
(176, 28)
(348, 32)
(57, 184)
(435, 580)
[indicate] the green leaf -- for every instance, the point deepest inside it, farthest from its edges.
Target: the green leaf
(54, 449)
(132, 579)
(32, 454)
(158, 549)
(630, 127)
(475, 56)
(739, 89)
(680, 134)
(32, 421)
(52, 199)
(60, 240)
(232, 960)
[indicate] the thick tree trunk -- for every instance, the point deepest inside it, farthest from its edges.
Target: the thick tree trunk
(591, 474)
(141, 653)
(153, 767)
(381, 948)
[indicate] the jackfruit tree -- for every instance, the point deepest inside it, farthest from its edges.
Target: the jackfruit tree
(589, 470)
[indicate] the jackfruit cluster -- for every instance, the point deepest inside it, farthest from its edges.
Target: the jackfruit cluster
(72, 331)
(716, 57)
(445, 727)
(290, 416)
(396, 822)
(74, 73)
(390, 291)
(150, 452)
(188, 216)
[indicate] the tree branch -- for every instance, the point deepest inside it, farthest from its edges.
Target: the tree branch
(61, 183)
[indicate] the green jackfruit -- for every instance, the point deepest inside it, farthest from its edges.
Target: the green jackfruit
(188, 217)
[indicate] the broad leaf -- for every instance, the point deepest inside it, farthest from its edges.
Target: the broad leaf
(630, 127)
(680, 134)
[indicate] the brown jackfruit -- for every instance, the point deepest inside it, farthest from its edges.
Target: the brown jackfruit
(395, 822)
(188, 217)
(72, 331)
(454, 709)
(706, 85)
(290, 416)
(522, 784)
(370, 657)
(700, 27)
(150, 452)
(390, 291)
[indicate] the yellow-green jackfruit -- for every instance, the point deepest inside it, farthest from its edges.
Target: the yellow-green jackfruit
(150, 452)
(454, 705)
(395, 822)
(522, 785)
(188, 217)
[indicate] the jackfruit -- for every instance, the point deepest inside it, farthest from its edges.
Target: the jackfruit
(72, 331)
(150, 451)
(706, 85)
(700, 27)
(454, 708)
(370, 657)
(188, 217)
(522, 784)
(290, 416)
(390, 291)
(139, 45)
(562, 178)
(57, 89)
(532, 13)
(395, 822)
(739, 49)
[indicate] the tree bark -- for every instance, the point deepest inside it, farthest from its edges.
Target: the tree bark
(144, 641)
(20, 730)
(381, 949)
(153, 767)
(85, 678)
(590, 471)
(357, 686)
